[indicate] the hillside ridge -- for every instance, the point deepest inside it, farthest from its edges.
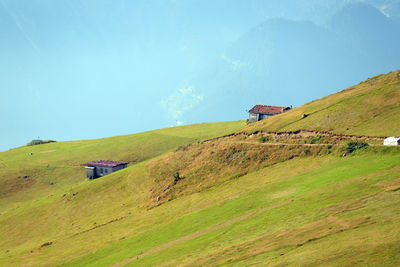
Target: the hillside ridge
(369, 109)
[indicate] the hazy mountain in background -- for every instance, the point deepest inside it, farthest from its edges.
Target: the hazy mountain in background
(286, 62)
(371, 34)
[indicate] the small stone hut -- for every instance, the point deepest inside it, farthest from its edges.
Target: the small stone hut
(260, 112)
(96, 169)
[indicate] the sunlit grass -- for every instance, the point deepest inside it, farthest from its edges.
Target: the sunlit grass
(370, 108)
(239, 200)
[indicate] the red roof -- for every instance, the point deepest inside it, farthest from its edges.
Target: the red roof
(265, 109)
(105, 163)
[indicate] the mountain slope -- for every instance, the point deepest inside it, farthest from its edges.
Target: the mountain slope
(370, 108)
(306, 198)
(278, 60)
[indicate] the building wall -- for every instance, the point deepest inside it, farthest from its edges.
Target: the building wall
(90, 173)
(119, 168)
(253, 117)
(257, 117)
(101, 171)
(263, 116)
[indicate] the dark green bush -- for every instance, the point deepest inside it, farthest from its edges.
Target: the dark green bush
(176, 177)
(315, 139)
(263, 139)
(354, 146)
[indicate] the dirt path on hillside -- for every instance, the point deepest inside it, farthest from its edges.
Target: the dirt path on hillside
(305, 133)
(292, 144)
(2, 162)
(278, 144)
(196, 234)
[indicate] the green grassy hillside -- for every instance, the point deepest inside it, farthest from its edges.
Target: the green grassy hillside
(369, 108)
(307, 212)
(264, 199)
(31, 172)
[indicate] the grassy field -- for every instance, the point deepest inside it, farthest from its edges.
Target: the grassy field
(307, 211)
(246, 199)
(34, 177)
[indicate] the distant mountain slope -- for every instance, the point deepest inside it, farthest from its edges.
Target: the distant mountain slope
(369, 108)
(370, 34)
(290, 62)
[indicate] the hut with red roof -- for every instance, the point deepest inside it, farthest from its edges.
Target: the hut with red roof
(260, 112)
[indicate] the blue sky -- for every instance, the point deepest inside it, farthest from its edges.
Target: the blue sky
(74, 69)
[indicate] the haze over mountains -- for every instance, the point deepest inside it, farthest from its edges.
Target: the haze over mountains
(128, 67)
(288, 62)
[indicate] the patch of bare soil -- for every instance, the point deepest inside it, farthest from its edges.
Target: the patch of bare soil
(283, 193)
(47, 151)
(300, 134)
(355, 204)
(392, 186)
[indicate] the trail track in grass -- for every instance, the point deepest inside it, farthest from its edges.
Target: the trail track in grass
(183, 239)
